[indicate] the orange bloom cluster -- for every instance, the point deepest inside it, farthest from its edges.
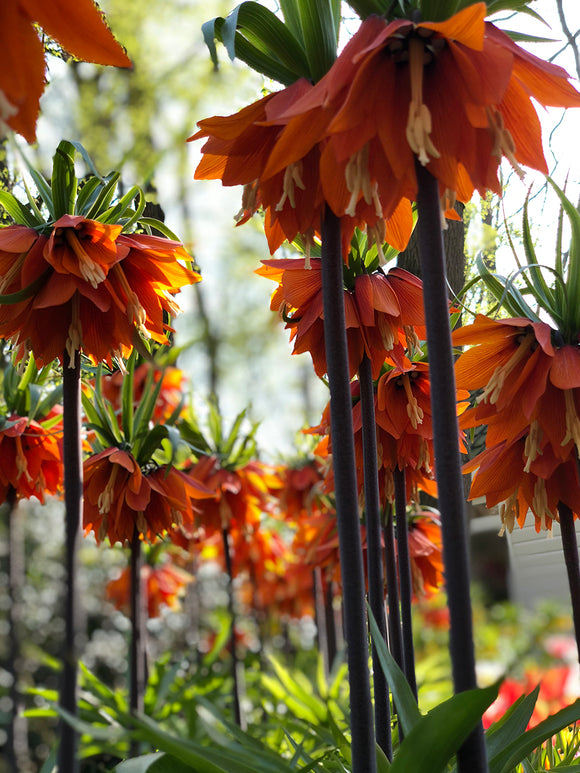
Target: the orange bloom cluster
(531, 403)
(556, 692)
(380, 312)
(240, 496)
(87, 286)
(31, 459)
(455, 94)
(426, 554)
(77, 25)
(120, 497)
(163, 585)
(243, 149)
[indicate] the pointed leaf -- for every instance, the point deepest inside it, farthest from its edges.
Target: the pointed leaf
(64, 181)
(409, 714)
(437, 736)
(18, 212)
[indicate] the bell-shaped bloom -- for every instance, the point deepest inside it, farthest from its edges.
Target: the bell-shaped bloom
(426, 554)
(163, 586)
(455, 94)
(77, 25)
(240, 495)
(121, 498)
(249, 149)
(86, 286)
(31, 458)
(381, 310)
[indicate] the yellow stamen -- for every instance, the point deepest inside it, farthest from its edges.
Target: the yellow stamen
(386, 331)
(21, 463)
(90, 271)
(13, 271)
(292, 180)
(540, 503)
(531, 448)
(424, 458)
(377, 234)
(414, 410)
(509, 512)
(308, 244)
(249, 197)
(496, 383)
(358, 182)
(572, 421)
(107, 495)
(412, 340)
(419, 121)
(135, 312)
(503, 142)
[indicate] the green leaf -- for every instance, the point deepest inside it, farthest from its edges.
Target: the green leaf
(100, 203)
(115, 214)
(573, 280)
(151, 222)
(365, 8)
(18, 212)
(513, 753)
(320, 20)
(127, 398)
(87, 195)
(255, 35)
(510, 726)
(153, 763)
(437, 735)
(64, 181)
(409, 714)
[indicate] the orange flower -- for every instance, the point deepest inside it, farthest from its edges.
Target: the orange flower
(250, 149)
(240, 495)
(76, 24)
(31, 459)
(87, 287)
(380, 311)
(531, 404)
(164, 586)
(425, 551)
(119, 497)
(456, 94)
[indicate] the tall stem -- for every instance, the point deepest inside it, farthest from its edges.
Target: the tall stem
(347, 516)
(73, 497)
(374, 552)
(472, 755)
(395, 636)
(17, 729)
(570, 548)
(405, 581)
(232, 613)
(137, 654)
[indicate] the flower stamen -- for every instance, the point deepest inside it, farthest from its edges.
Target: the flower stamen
(292, 180)
(419, 124)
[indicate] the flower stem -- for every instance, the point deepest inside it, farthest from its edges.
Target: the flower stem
(137, 655)
(570, 548)
(73, 498)
(395, 636)
(405, 582)
(17, 730)
(472, 755)
(374, 552)
(346, 492)
(232, 613)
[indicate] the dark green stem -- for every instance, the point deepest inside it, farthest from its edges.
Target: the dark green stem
(570, 548)
(375, 577)
(137, 654)
(395, 635)
(17, 729)
(232, 613)
(73, 498)
(472, 755)
(405, 582)
(346, 492)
